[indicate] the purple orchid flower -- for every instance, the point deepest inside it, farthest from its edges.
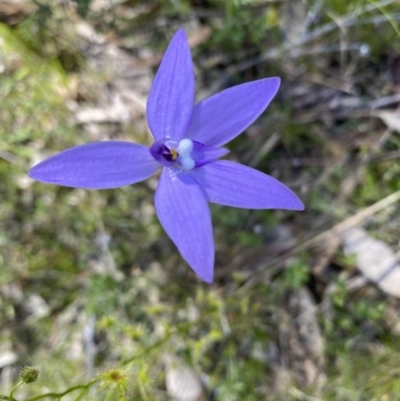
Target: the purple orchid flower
(188, 140)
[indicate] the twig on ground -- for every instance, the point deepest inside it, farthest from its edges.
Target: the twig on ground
(277, 264)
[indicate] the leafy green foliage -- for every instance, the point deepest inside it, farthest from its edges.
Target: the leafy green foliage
(295, 275)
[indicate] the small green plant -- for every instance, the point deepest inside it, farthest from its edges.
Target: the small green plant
(30, 374)
(295, 275)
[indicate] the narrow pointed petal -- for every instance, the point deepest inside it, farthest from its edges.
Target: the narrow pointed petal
(184, 213)
(97, 165)
(232, 184)
(171, 100)
(221, 117)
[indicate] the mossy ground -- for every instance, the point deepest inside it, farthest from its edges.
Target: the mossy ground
(81, 269)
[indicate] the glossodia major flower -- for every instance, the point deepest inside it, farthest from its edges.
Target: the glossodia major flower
(188, 140)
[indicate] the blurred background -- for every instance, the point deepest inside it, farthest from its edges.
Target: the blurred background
(305, 305)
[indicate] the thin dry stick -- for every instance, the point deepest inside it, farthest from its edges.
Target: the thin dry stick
(349, 19)
(10, 158)
(276, 264)
(296, 50)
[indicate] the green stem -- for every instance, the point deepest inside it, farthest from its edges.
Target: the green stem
(81, 394)
(145, 351)
(121, 393)
(13, 390)
(59, 395)
(142, 391)
(387, 15)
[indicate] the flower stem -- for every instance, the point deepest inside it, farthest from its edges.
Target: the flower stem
(59, 395)
(13, 390)
(81, 394)
(142, 391)
(156, 345)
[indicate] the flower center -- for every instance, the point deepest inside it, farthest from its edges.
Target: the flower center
(171, 153)
(184, 150)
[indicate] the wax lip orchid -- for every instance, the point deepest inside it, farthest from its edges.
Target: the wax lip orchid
(188, 140)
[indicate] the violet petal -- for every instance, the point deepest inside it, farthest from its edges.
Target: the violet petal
(233, 184)
(202, 154)
(171, 99)
(97, 165)
(221, 117)
(184, 213)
